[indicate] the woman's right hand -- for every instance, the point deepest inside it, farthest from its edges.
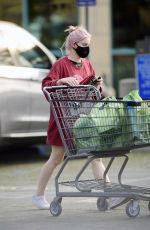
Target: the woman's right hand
(71, 81)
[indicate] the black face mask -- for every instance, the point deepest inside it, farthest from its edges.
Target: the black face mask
(82, 51)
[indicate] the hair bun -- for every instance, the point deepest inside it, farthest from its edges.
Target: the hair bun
(71, 29)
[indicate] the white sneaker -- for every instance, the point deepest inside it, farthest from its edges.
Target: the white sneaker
(117, 201)
(40, 202)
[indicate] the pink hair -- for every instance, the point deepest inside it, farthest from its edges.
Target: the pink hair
(76, 34)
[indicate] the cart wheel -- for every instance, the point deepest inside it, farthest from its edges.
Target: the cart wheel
(55, 208)
(133, 209)
(102, 204)
(149, 206)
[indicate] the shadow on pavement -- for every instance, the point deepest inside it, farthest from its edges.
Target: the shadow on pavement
(13, 155)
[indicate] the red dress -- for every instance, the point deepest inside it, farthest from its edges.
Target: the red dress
(63, 68)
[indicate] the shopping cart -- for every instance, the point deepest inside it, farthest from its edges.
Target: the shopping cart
(93, 128)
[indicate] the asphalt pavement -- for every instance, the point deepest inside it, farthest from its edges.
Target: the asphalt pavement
(18, 182)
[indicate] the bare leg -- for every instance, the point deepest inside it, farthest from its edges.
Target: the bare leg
(98, 169)
(56, 157)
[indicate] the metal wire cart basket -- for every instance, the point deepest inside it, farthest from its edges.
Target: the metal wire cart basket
(96, 128)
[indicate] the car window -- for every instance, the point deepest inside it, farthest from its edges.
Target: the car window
(26, 52)
(5, 56)
(32, 56)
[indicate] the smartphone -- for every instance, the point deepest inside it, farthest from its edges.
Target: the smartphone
(97, 79)
(90, 80)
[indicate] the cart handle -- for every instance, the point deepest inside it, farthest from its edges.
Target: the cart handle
(67, 87)
(47, 89)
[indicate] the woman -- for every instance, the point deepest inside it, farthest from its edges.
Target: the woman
(68, 70)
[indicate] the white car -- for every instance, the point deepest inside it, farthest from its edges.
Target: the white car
(24, 62)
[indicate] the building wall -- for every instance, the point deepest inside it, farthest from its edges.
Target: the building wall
(100, 28)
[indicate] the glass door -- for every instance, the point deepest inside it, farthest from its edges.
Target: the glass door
(130, 23)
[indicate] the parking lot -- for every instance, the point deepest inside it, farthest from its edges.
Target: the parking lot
(18, 176)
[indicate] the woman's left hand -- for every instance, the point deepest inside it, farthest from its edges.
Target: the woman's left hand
(98, 83)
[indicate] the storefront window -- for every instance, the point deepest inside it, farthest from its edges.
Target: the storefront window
(123, 67)
(11, 11)
(130, 23)
(48, 19)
